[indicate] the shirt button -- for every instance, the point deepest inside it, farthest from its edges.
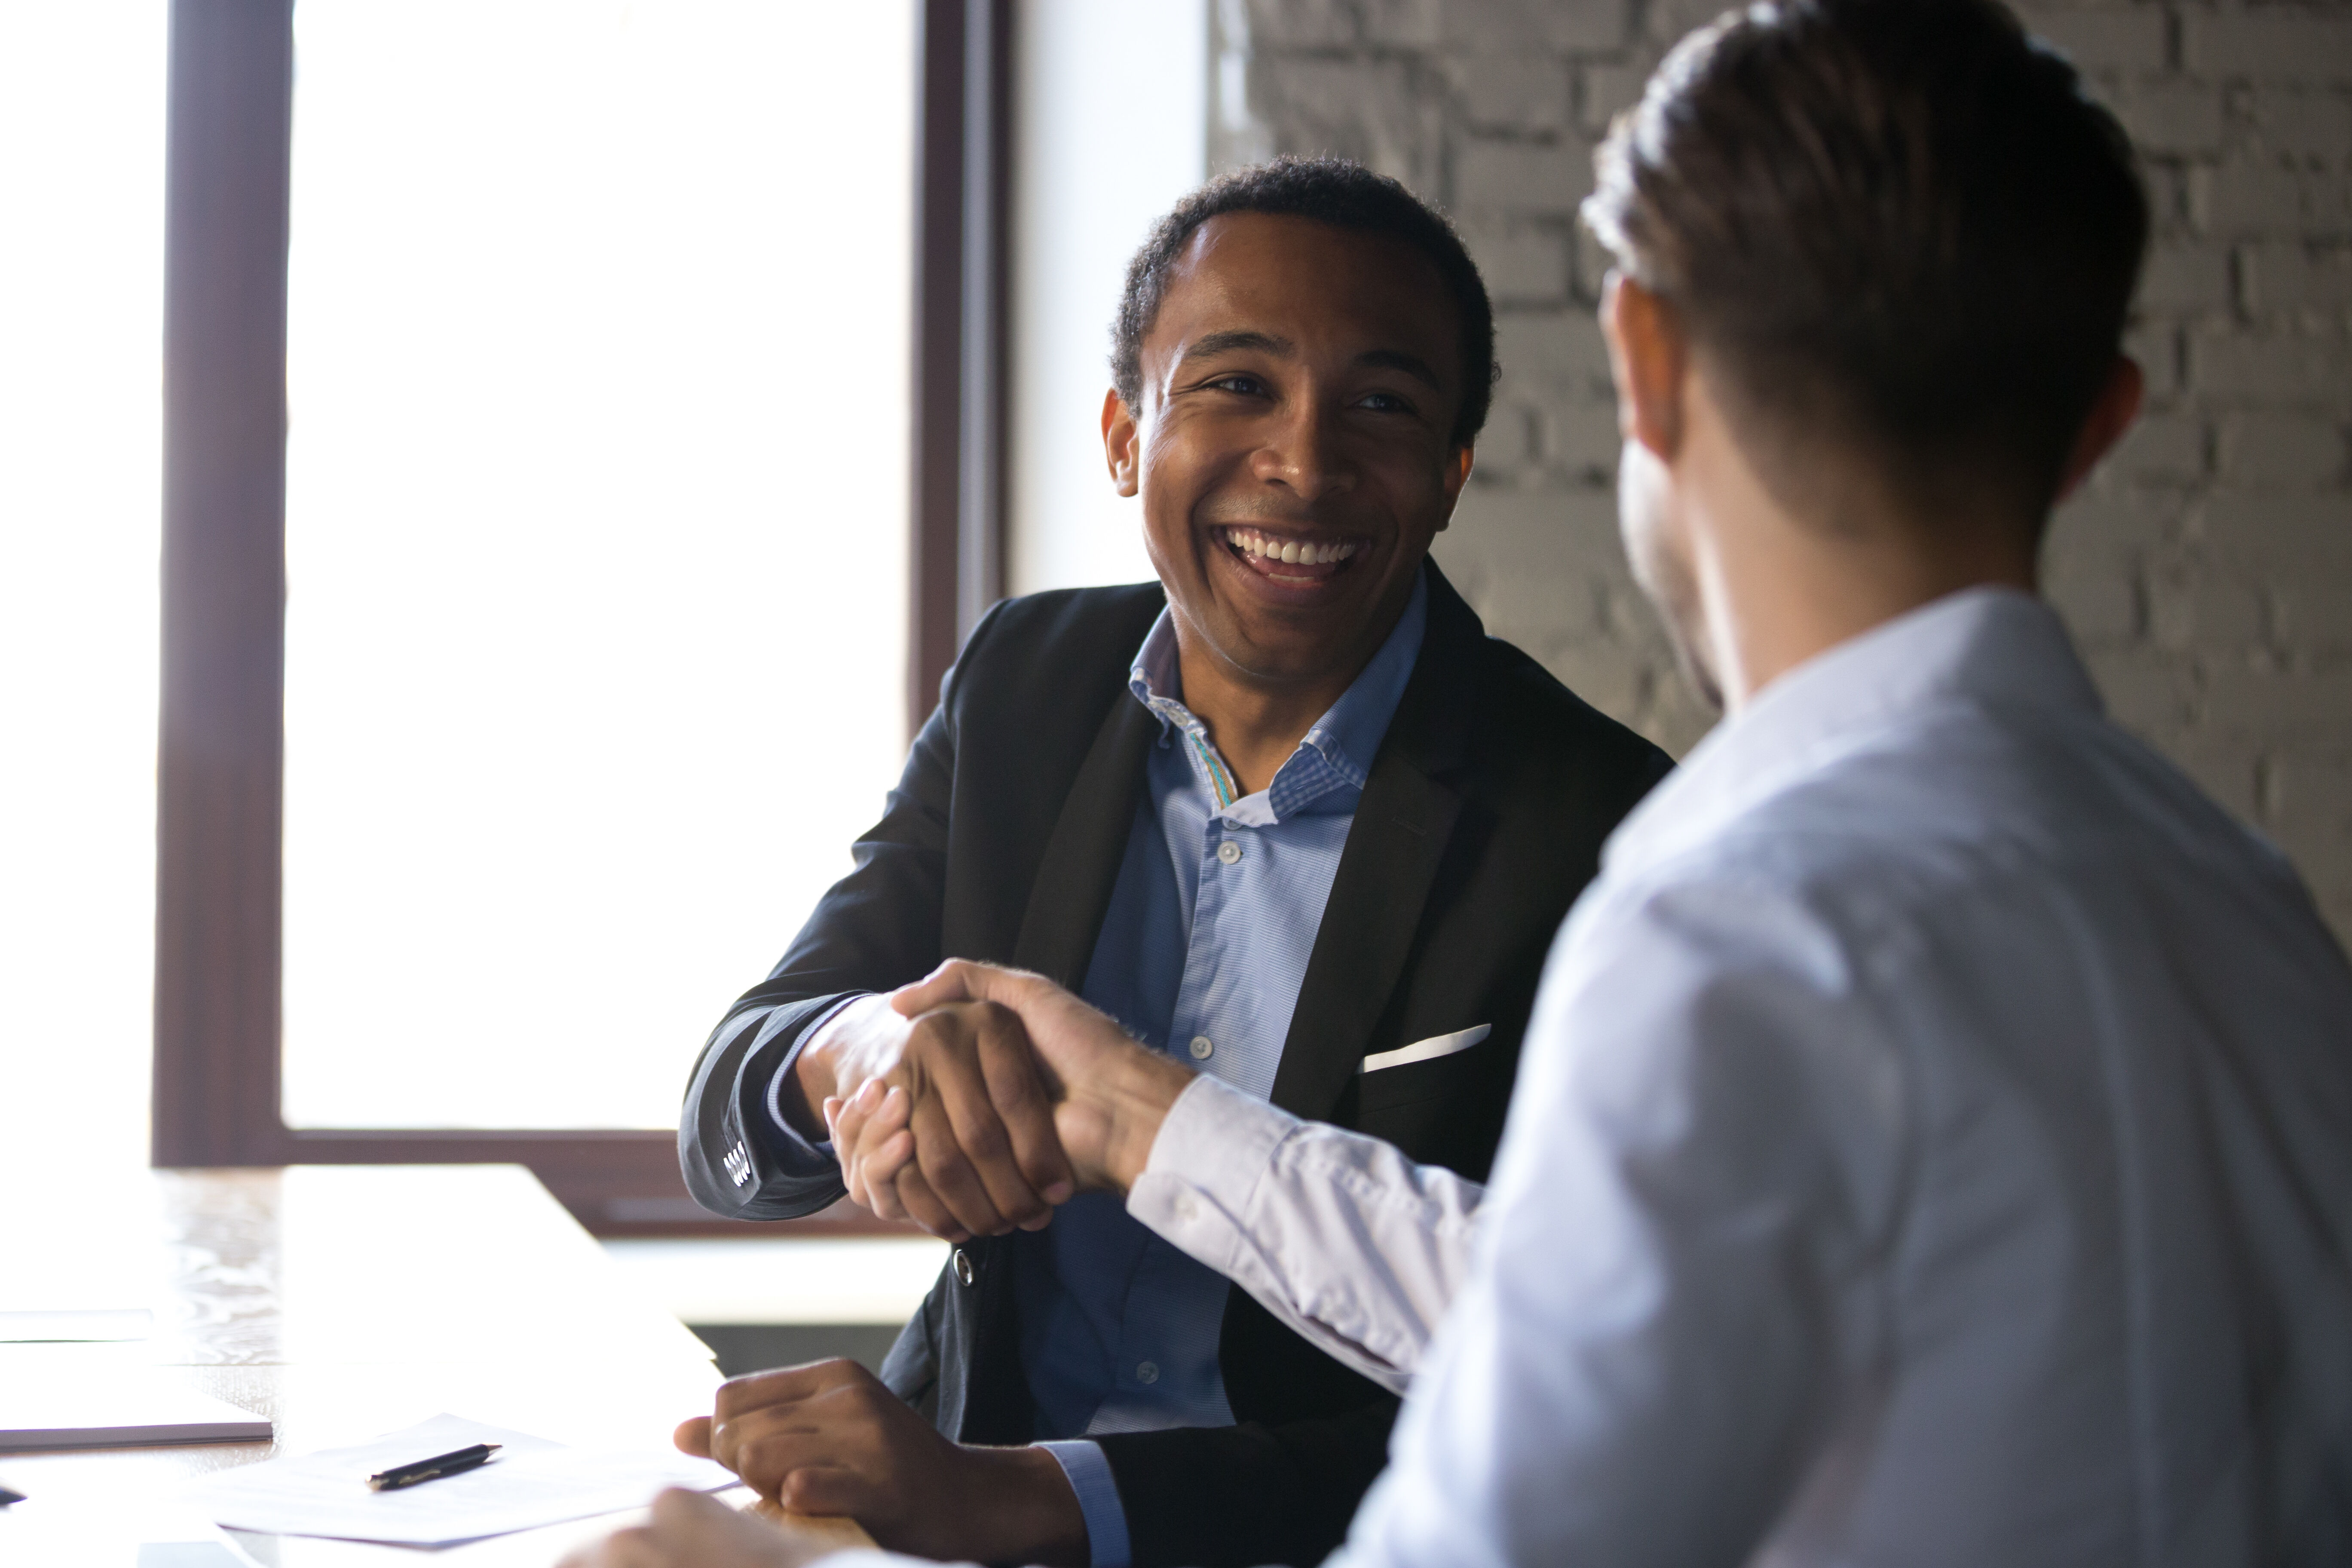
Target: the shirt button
(1149, 1372)
(1202, 1048)
(1229, 852)
(962, 1266)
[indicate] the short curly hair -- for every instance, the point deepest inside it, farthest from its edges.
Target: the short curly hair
(1335, 191)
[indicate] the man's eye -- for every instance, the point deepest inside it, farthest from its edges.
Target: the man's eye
(1245, 384)
(1384, 403)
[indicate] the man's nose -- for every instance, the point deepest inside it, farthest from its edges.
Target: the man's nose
(1304, 453)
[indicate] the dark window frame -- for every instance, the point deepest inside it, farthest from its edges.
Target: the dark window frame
(220, 767)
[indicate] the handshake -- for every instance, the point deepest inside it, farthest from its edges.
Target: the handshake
(978, 1098)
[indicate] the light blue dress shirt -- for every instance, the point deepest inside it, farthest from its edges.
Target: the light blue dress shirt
(1203, 952)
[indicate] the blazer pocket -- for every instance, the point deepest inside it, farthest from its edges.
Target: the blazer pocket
(1427, 1050)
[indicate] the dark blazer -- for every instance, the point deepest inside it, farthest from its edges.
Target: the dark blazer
(1481, 820)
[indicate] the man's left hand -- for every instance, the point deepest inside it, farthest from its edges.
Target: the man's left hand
(830, 1438)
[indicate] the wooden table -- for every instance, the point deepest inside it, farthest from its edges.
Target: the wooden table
(342, 1303)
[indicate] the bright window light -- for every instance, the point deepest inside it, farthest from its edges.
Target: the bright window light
(82, 294)
(597, 523)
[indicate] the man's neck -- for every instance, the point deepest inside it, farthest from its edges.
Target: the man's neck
(1777, 589)
(1256, 723)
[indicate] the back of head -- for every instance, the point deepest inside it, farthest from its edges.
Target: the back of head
(1897, 225)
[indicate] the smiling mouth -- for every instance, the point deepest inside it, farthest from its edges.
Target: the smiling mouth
(1289, 560)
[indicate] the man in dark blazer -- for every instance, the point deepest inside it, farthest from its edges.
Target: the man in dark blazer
(1288, 812)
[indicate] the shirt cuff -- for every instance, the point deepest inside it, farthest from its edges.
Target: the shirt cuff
(1216, 1144)
(796, 1155)
(1082, 1461)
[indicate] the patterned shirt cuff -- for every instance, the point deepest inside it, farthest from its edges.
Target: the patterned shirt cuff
(795, 1155)
(1082, 1460)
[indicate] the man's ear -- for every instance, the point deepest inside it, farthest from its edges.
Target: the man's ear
(1647, 358)
(1122, 443)
(2117, 407)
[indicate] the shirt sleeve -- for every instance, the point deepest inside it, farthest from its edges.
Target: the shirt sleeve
(795, 1155)
(1337, 1235)
(1675, 1279)
(1089, 1475)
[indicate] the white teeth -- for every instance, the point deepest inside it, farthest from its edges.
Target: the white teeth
(1255, 544)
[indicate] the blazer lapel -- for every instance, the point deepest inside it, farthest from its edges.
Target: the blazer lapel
(1402, 823)
(1080, 866)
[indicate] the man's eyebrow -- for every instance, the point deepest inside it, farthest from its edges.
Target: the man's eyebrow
(1412, 365)
(1230, 342)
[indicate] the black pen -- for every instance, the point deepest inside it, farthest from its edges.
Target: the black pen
(427, 1469)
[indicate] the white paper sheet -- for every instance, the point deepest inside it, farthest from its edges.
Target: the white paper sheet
(531, 1482)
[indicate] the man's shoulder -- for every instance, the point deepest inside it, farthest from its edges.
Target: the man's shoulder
(1521, 718)
(1064, 646)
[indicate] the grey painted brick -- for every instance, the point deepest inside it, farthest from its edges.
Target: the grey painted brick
(1559, 352)
(2315, 618)
(2243, 197)
(1513, 93)
(2156, 345)
(2195, 611)
(2100, 604)
(1547, 179)
(2284, 706)
(2147, 694)
(2168, 115)
(1584, 436)
(1402, 22)
(1525, 267)
(2160, 447)
(2292, 46)
(1608, 87)
(1310, 23)
(2113, 521)
(2186, 275)
(2284, 537)
(2271, 367)
(2283, 451)
(2304, 122)
(2132, 40)
(1585, 25)
(2288, 275)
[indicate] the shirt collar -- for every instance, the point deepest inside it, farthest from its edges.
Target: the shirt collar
(1345, 739)
(1990, 648)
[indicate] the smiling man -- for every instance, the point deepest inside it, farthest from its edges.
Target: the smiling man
(1287, 814)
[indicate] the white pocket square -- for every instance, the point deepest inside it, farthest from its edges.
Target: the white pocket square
(1430, 1049)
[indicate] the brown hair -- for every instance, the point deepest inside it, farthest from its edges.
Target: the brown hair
(1900, 222)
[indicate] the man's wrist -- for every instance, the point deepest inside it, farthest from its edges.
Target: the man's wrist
(1134, 1092)
(815, 1077)
(1023, 1510)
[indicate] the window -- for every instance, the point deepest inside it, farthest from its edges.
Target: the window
(550, 387)
(595, 533)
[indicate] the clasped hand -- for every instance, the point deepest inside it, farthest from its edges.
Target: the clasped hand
(1007, 1096)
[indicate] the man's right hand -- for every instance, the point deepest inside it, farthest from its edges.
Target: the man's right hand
(989, 1158)
(1110, 1093)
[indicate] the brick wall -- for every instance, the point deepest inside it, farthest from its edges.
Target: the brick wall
(2208, 568)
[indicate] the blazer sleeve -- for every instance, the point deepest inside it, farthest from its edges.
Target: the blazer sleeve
(875, 929)
(1284, 1492)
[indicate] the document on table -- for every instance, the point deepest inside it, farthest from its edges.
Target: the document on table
(531, 1482)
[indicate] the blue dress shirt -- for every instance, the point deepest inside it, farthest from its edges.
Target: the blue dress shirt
(1202, 954)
